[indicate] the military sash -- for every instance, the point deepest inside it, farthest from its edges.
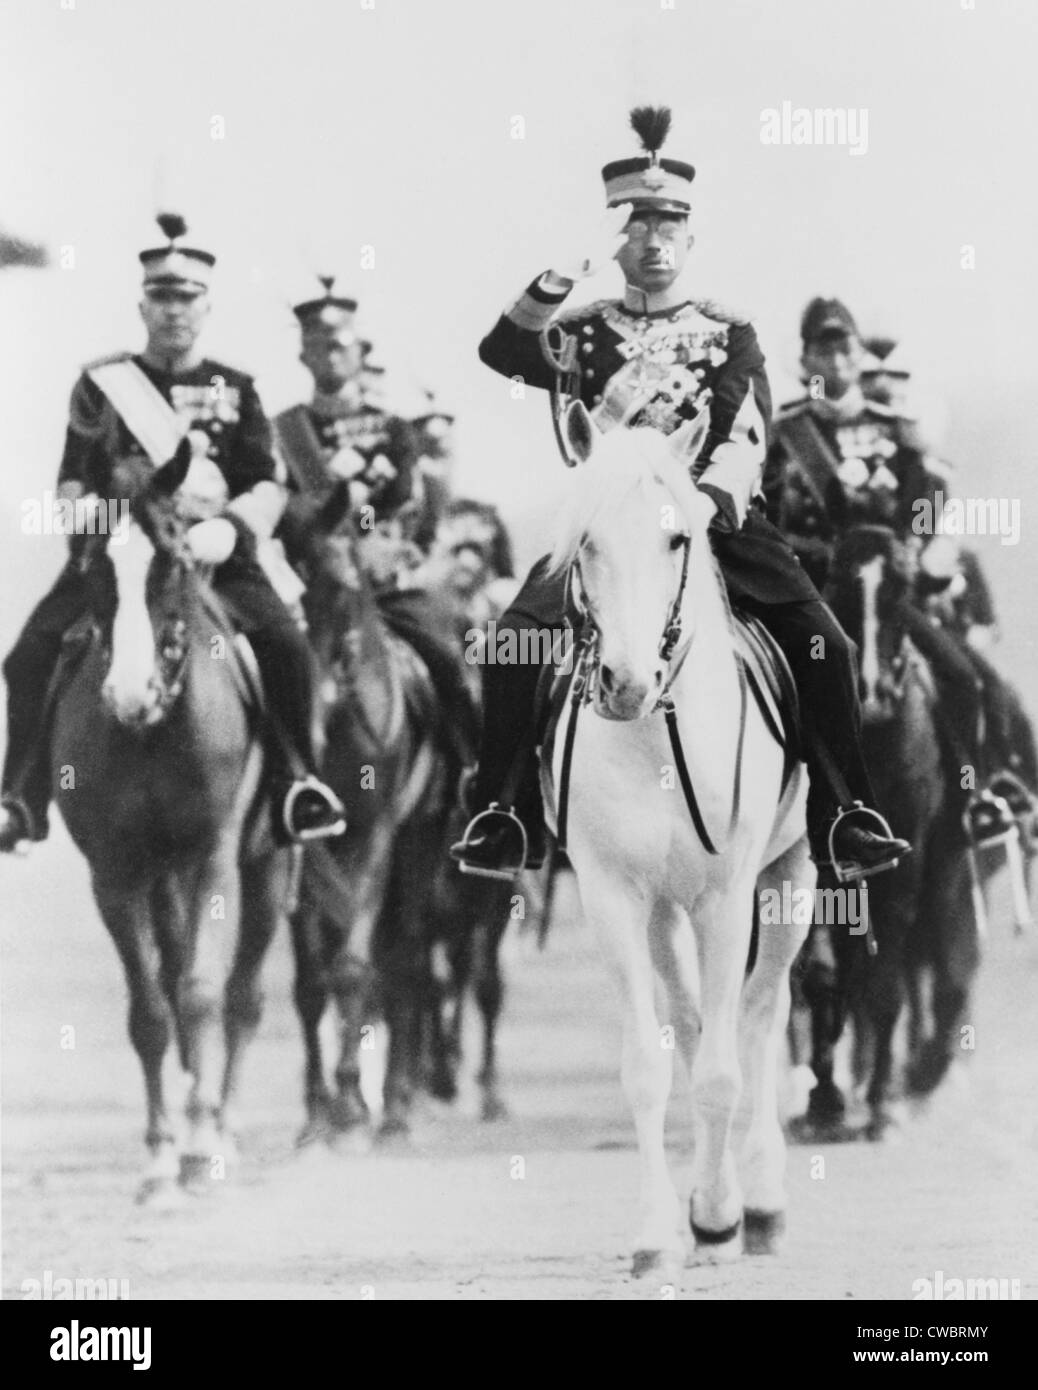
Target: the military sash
(149, 417)
(301, 449)
(811, 450)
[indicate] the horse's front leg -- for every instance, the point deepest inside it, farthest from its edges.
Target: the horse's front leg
(310, 993)
(264, 893)
(765, 1011)
(623, 926)
(212, 909)
(723, 922)
(489, 990)
(126, 912)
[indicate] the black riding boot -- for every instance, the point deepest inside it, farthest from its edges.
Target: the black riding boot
(26, 776)
(823, 663)
(508, 833)
(987, 818)
(305, 808)
(413, 616)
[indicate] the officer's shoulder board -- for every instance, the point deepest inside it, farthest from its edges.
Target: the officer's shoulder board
(586, 311)
(232, 375)
(722, 313)
(107, 361)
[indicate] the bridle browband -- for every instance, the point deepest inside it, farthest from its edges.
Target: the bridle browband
(582, 690)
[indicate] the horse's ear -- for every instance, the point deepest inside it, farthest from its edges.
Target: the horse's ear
(581, 431)
(169, 477)
(686, 442)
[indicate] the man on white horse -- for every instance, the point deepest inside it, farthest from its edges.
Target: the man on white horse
(657, 358)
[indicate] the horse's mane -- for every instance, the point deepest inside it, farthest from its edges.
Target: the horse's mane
(625, 462)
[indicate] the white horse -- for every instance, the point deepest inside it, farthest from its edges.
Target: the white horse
(635, 543)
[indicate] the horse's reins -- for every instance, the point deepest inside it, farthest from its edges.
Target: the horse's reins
(583, 686)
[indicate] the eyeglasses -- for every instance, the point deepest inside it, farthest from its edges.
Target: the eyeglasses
(667, 229)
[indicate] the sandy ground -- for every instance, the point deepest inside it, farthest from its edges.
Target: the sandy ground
(537, 1206)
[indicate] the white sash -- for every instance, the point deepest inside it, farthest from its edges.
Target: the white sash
(149, 417)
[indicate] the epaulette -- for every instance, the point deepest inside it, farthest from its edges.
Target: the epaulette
(723, 313)
(224, 369)
(587, 311)
(107, 361)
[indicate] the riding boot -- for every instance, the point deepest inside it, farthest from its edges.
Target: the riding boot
(414, 617)
(840, 799)
(305, 807)
(508, 833)
(962, 695)
(25, 792)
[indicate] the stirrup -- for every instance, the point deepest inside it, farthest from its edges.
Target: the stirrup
(848, 870)
(1010, 835)
(316, 832)
(1018, 796)
(514, 863)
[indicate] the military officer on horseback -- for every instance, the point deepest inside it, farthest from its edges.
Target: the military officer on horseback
(839, 458)
(349, 434)
(658, 358)
(144, 404)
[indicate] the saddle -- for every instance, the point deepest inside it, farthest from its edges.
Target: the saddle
(768, 677)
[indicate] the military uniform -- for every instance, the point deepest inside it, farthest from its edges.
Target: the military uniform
(836, 464)
(124, 406)
(354, 433)
(658, 369)
(831, 466)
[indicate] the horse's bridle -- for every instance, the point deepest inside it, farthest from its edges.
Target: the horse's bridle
(588, 659)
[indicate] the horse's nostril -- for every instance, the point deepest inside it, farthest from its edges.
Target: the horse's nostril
(606, 677)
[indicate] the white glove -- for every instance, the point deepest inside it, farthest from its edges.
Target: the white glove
(347, 463)
(203, 492)
(212, 541)
(597, 249)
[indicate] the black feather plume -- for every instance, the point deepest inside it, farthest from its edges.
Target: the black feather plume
(651, 124)
(172, 224)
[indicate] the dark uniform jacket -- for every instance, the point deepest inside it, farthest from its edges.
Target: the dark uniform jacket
(213, 398)
(220, 406)
(829, 470)
(659, 370)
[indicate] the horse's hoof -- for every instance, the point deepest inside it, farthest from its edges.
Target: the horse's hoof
(394, 1129)
(197, 1173)
(805, 1129)
(716, 1247)
(348, 1112)
(928, 1071)
(442, 1086)
(160, 1194)
(882, 1128)
(763, 1231)
(317, 1130)
(662, 1266)
(493, 1108)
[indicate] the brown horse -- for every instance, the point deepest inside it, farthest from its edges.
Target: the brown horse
(157, 766)
(921, 914)
(365, 925)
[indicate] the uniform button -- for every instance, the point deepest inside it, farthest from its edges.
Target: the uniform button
(589, 371)
(597, 400)
(216, 426)
(588, 347)
(588, 330)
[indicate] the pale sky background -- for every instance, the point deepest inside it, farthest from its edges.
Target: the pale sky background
(391, 126)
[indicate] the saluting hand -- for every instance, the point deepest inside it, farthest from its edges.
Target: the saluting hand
(598, 248)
